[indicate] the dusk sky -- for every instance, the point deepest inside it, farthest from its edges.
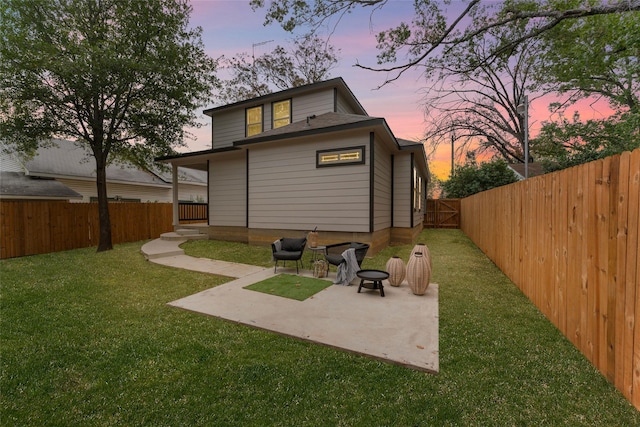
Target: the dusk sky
(231, 27)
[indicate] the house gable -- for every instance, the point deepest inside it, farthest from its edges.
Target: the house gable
(231, 122)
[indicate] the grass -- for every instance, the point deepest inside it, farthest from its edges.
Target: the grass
(290, 286)
(87, 339)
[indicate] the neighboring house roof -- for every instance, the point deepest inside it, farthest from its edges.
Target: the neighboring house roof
(535, 169)
(35, 178)
(16, 185)
(66, 159)
(338, 83)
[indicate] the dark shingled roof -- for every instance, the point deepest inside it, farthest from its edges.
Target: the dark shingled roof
(17, 185)
(326, 122)
(67, 159)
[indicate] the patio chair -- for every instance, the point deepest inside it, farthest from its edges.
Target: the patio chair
(288, 249)
(334, 252)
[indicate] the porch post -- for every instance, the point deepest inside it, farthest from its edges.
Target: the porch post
(176, 201)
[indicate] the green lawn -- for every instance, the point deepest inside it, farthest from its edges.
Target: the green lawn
(290, 286)
(87, 339)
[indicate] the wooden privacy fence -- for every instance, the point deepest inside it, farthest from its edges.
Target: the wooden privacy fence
(442, 213)
(569, 240)
(36, 227)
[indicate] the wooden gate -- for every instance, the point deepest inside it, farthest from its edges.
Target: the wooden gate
(442, 213)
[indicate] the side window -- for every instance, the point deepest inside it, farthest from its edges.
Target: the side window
(417, 191)
(340, 156)
(254, 120)
(281, 113)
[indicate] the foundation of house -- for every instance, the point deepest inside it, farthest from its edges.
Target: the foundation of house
(378, 240)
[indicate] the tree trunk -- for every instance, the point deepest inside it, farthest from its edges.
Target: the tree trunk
(105, 243)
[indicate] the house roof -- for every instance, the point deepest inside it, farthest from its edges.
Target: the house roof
(16, 185)
(337, 83)
(66, 159)
(313, 125)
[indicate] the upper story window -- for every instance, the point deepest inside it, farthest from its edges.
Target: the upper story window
(254, 120)
(281, 113)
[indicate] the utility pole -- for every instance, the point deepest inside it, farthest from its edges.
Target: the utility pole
(523, 109)
(453, 141)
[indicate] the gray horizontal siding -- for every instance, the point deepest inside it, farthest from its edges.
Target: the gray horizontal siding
(382, 188)
(312, 103)
(402, 191)
(229, 126)
(227, 190)
(343, 106)
(287, 191)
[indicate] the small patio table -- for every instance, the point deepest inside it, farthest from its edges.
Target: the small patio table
(315, 252)
(372, 279)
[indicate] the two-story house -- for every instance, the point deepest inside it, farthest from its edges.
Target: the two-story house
(285, 163)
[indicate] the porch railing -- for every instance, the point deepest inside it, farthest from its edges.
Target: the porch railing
(193, 212)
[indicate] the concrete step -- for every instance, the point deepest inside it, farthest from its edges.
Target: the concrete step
(174, 236)
(161, 248)
(187, 231)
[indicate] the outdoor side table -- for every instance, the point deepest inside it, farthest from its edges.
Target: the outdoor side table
(372, 279)
(315, 254)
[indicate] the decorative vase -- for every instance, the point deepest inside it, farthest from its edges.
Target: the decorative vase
(421, 247)
(418, 273)
(312, 238)
(395, 268)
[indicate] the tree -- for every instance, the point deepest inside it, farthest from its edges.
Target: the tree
(569, 143)
(594, 57)
(597, 59)
(310, 61)
(433, 30)
(122, 77)
(474, 44)
(470, 178)
(478, 105)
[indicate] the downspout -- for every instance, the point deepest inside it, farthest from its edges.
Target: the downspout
(246, 178)
(372, 171)
(411, 189)
(176, 201)
(393, 199)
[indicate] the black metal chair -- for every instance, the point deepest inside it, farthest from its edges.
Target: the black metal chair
(288, 249)
(334, 252)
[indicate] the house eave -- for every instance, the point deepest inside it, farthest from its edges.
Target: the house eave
(23, 197)
(169, 159)
(314, 131)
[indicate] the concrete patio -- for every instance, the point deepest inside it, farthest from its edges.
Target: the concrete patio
(400, 328)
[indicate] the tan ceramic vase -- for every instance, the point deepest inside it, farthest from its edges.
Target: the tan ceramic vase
(418, 273)
(397, 271)
(421, 247)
